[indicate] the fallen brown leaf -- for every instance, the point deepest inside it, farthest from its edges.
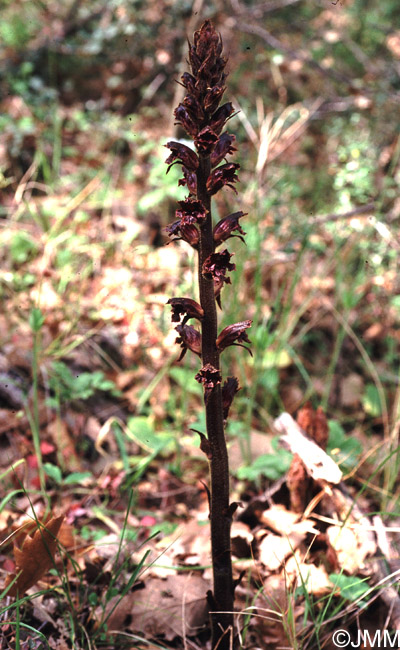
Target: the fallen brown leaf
(35, 557)
(174, 607)
(273, 549)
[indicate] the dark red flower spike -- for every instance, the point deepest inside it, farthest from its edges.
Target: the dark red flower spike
(206, 171)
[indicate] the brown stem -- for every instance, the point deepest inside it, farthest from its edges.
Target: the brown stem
(220, 517)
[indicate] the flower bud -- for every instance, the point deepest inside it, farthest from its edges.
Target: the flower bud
(189, 82)
(229, 390)
(221, 115)
(189, 339)
(205, 54)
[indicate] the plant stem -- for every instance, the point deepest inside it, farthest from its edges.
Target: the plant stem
(220, 517)
(35, 421)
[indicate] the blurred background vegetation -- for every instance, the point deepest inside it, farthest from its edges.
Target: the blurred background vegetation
(87, 91)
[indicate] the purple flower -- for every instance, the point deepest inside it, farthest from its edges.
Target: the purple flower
(205, 141)
(191, 211)
(223, 175)
(187, 307)
(183, 155)
(213, 97)
(234, 335)
(224, 228)
(223, 148)
(210, 377)
(183, 118)
(194, 109)
(189, 339)
(189, 179)
(229, 390)
(217, 264)
(185, 231)
(221, 115)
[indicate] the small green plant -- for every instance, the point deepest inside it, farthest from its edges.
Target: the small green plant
(351, 588)
(22, 248)
(75, 478)
(68, 387)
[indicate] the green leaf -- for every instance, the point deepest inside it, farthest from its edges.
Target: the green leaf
(371, 401)
(114, 591)
(344, 448)
(15, 31)
(395, 302)
(69, 387)
(164, 527)
(54, 472)
(22, 247)
(273, 466)
(142, 431)
(76, 477)
(351, 588)
(93, 599)
(36, 319)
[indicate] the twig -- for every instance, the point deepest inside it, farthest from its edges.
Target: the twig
(325, 218)
(276, 44)
(263, 7)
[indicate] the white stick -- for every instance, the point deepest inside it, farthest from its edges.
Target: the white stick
(319, 465)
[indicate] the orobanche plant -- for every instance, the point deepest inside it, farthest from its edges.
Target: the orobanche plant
(202, 117)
